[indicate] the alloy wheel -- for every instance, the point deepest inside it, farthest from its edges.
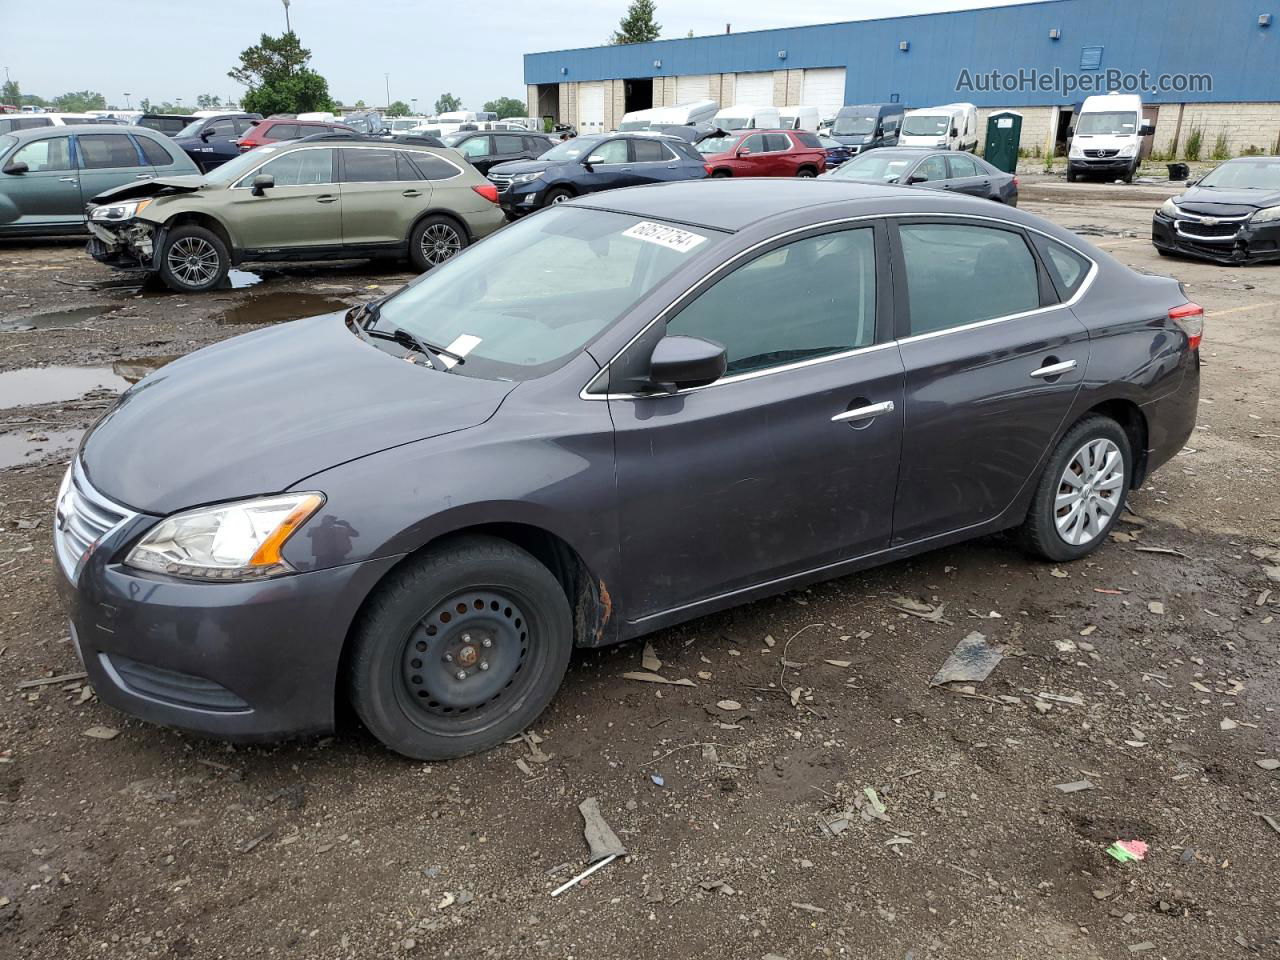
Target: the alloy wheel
(559, 198)
(1089, 491)
(193, 261)
(440, 242)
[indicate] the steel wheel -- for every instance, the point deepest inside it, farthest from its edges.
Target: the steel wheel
(193, 260)
(440, 241)
(1089, 491)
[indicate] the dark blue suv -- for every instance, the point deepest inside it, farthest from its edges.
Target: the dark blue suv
(591, 163)
(211, 141)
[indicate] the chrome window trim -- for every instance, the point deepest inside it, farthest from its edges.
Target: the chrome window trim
(351, 146)
(751, 375)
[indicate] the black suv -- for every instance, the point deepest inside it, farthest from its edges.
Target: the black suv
(170, 124)
(212, 141)
(484, 148)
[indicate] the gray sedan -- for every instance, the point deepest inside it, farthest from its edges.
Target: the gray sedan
(627, 411)
(952, 170)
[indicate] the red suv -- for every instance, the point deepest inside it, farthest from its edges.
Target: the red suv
(273, 131)
(763, 153)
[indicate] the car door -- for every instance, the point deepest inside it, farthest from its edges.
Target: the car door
(966, 177)
(931, 172)
(782, 158)
(215, 144)
(382, 194)
(993, 363)
(108, 160)
(48, 193)
(786, 464)
(653, 162)
(610, 166)
(302, 209)
(752, 159)
(159, 159)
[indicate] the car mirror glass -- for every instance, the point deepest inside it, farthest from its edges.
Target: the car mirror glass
(263, 182)
(16, 167)
(682, 362)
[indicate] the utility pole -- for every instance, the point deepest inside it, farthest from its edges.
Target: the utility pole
(127, 105)
(387, 77)
(288, 28)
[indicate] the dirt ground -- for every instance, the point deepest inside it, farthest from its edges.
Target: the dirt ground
(865, 815)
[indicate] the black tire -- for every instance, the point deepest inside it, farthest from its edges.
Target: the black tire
(434, 240)
(806, 172)
(1040, 532)
(1071, 175)
(1165, 253)
(193, 260)
(556, 195)
(721, 174)
(1130, 174)
(430, 620)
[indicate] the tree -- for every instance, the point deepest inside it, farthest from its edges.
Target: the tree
(208, 101)
(145, 104)
(506, 107)
(360, 105)
(11, 93)
(638, 26)
(79, 101)
(447, 102)
(398, 109)
(278, 78)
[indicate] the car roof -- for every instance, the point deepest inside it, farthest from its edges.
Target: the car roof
(38, 133)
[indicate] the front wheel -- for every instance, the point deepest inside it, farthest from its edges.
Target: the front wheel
(435, 240)
(1071, 175)
(1081, 492)
(557, 195)
(460, 649)
(193, 260)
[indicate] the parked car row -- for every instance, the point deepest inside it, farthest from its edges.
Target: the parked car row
(953, 170)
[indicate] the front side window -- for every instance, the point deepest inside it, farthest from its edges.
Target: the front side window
(754, 143)
(102, 151)
(535, 293)
(300, 168)
(370, 166)
(930, 168)
(221, 128)
(475, 147)
(753, 311)
(611, 151)
(959, 274)
(43, 155)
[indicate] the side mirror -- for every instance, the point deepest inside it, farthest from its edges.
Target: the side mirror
(205, 134)
(262, 183)
(744, 152)
(1146, 130)
(680, 362)
(915, 179)
(1071, 132)
(955, 132)
(588, 166)
(16, 167)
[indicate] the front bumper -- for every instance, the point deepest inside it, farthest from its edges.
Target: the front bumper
(243, 661)
(1102, 165)
(518, 198)
(125, 245)
(1228, 241)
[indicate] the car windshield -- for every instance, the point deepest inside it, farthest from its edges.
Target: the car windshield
(5, 143)
(717, 144)
(530, 297)
(572, 149)
(853, 126)
(1114, 122)
(733, 123)
(237, 166)
(634, 125)
(881, 165)
(1263, 174)
(926, 125)
(191, 129)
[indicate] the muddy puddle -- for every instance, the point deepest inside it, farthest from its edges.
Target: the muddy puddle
(131, 371)
(53, 320)
(279, 307)
(37, 385)
(31, 445)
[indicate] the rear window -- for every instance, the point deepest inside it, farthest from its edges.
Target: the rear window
(283, 131)
(433, 167)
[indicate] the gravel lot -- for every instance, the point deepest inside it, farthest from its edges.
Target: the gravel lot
(846, 809)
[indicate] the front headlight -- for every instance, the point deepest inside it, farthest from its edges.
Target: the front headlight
(1169, 208)
(119, 211)
(234, 541)
(1129, 151)
(526, 177)
(1266, 215)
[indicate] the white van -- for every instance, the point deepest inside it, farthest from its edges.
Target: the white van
(1107, 138)
(323, 116)
(747, 117)
(636, 120)
(799, 118)
(952, 126)
(686, 114)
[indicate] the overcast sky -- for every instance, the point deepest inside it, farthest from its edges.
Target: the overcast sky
(164, 49)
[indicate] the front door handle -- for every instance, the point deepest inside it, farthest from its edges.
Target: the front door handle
(326, 198)
(626, 169)
(412, 193)
(68, 179)
(864, 413)
(144, 176)
(1054, 370)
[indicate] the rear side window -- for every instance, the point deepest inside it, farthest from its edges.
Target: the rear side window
(959, 274)
(155, 154)
(432, 167)
(405, 170)
(100, 151)
(1066, 268)
(283, 131)
(244, 124)
(808, 140)
(962, 166)
(751, 312)
(370, 166)
(776, 141)
(507, 145)
(536, 145)
(648, 151)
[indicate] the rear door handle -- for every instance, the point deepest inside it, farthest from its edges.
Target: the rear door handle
(412, 193)
(144, 176)
(326, 198)
(68, 179)
(864, 413)
(1054, 370)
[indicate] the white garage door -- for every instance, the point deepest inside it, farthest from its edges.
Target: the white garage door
(754, 89)
(824, 89)
(693, 88)
(591, 108)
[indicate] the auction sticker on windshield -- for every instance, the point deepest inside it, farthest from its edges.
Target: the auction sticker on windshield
(672, 237)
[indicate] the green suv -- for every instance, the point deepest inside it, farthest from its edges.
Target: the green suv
(324, 197)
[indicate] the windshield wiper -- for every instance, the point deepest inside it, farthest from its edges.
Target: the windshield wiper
(366, 315)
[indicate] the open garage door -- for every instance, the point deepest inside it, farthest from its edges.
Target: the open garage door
(693, 88)
(754, 89)
(591, 108)
(824, 89)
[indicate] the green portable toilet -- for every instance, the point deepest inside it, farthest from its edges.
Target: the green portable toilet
(1004, 133)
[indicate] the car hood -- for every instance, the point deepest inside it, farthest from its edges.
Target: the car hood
(151, 188)
(260, 412)
(523, 166)
(1226, 201)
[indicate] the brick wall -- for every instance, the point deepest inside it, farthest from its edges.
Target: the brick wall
(794, 89)
(779, 87)
(728, 87)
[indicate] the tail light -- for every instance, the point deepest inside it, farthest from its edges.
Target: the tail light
(1190, 317)
(1015, 181)
(708, 169)
(488, 191)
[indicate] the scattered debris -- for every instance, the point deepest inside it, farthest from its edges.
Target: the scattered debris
(253, 842)
(808, 908)
(718, 886)
(582, 876)
(1271, 822)
(1060, 698)
(657, 780)
(1168, 551)
(839, 663)
(729, 706)
(1127, 850)
(1059, 573)
(1075, 786)
(971, 661)
(1227, 724)
(1268, 764)
(1156, 607)
(600, 837)
(917, 608)
(102, 733)
(876, 804)
(46, 681)
(1142, 947)
(649, 660)
(657, 678)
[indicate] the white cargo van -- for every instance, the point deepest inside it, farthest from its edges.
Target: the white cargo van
(1107, 137)
(798, 118)
(952, 126)
(746, 117)
(686, 114)
(636, 120)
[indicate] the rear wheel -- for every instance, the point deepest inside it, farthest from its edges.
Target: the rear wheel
(1081, 492)
(721, 174)
(460, 649)
(193, 260)
(806, 172)
(435, 240)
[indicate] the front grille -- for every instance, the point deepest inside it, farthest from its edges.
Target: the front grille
(500, 180)
(1101, 154)
(82, 517)
(183, 689)
(1204, 231)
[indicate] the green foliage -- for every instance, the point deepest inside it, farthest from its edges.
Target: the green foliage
(1221, 149)
(208, 101)
(398, 109)
(638, 25)
(11, 93)
(79, 101)
(1195, 143)
(447, 102)
(506, 107)
(360, 105)
(278, 78)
